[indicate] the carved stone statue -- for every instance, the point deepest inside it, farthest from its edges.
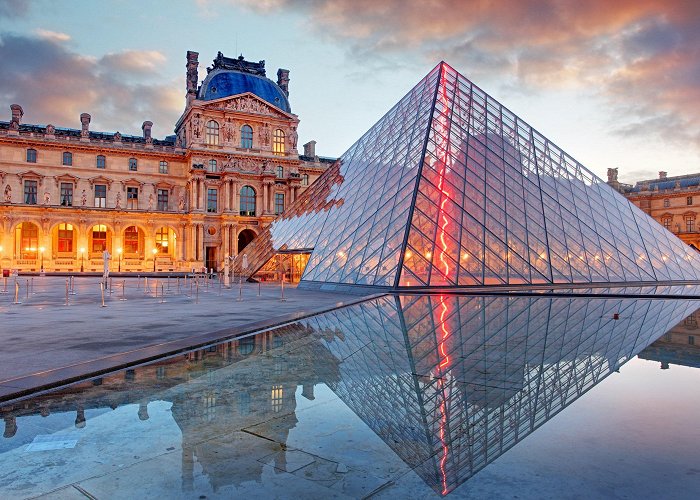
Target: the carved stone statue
(117, 137)
(228, 131)
(83, 199)
(293, 138)
(8, 194)
(50, 130)
(150, 202)
(181, 203)
(178, 142)
(118, 204)
(47, 198)
(195, 125)
(264, 134)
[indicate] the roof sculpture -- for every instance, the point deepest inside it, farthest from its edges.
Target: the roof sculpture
(451, 189)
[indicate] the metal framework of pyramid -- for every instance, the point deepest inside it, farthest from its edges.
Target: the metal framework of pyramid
(451, 189)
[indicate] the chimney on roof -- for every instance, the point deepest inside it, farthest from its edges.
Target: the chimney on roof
(310, 149)
(192, 75)
(283, 80)
(85, 123)
(16, 119)
(662, 174)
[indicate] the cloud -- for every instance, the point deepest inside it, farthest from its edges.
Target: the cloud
(52, 36)
(54, 85)
(13, 8)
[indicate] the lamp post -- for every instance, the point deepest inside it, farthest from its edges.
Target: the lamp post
(155, 251)
(82, 260)
(119, 251)
(41, 250)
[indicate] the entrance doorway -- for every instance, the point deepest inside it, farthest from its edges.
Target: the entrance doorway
(210, 258)
(245, 237)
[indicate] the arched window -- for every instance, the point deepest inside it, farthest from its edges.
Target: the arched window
(305, 180)
(31, 155)
(133, 164)
(246, 136)
(280, 172)
(131, 240)
(29, 240)
(101, 161)
(65, 237)
(278, 142)
(67, 158)
(247, 201)
(99, 238)
(212, 132)
(212, 166)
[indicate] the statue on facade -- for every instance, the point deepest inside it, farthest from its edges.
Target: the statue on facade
(50, 129)
(195, 125)
(47, 198)
(150, 202)
(264, 134)
(118, 203)
(83, 199)
(8, 194)
(117, 137)
(293, 138)
(178, 141)
(228, 131)
(181, 203)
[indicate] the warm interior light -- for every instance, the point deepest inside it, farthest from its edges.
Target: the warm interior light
(465, 256)
(119, 250)
(42, 249)
(155, 251)
(82, 250)
(428, 255)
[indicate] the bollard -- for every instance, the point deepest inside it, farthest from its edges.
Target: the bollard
(33, 292)
(196, 300)
(102, 292)
(27, 290)
(66, 291)
(219, 285)
(72, 285)
(240, 290)
(155, 289)
(178, 285)
(110, 286)
(16, 293)
(258, 289)
(145, 285)
(138, 281)
(283, 299)
(190, 295)
(162, 295)
(123, 292)
(168, 282)
(4, 289)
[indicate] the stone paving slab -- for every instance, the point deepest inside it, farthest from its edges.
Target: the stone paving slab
(46, 342)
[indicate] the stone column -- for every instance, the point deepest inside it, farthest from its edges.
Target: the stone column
(200, 249)
(183, 244)
(202, 195)
(263, 209)
(236, 206)
(259, 202)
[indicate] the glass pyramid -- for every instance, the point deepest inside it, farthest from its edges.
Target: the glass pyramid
(451, 189)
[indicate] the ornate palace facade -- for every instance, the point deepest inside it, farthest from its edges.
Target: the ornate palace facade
(184, 202)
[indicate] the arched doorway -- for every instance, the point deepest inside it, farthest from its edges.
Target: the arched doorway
(244, 238)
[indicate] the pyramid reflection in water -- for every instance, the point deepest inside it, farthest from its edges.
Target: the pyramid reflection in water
(451, 189)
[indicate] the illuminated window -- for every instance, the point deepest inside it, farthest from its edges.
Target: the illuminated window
(133, 164)
(163, 167)
(31, 155)
(247, 201)
(65, 237)
(29, 240)
(132, 198)
(30, 188)
(131, 240)
(278, 142)
(276, 398)
(246, 137)
(280, 172)
(667, 203)
(162, 202)
(99, 238)
(209, 406)
(66, 194)
(279, 203)
(212, 133)
(212, 166)
(100, 195)
(100, 161)
(67, 158)
(211, 200)
(305, 180)
(162, 243)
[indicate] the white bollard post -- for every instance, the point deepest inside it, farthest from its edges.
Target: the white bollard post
(4, 289)
(16, 293)
(162, 294)
(123, 292)
(102, 292)
(283, 299)
(66, 291)
(240, 289)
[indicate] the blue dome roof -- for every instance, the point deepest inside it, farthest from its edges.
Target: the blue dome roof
(223, 83)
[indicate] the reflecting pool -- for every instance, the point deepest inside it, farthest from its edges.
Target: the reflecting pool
(399, 396)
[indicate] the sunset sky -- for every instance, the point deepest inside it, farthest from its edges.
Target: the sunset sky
(615, 84)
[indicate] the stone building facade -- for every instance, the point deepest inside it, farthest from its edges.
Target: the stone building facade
(186, 202)
(674, 202)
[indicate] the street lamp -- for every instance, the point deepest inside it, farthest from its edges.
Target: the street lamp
(82, 260)
(41, 250)
(155, 251)
(119, 251)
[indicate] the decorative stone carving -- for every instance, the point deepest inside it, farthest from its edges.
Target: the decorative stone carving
(150, 202)
(117, 137)
(118, 203)
(229, 131)
(178, 142)
(8, 193)
(85, 122)
(83, 199)
(264, 134)
(50, 129)
(196, 126)
(181, 203)
(293, 137)
(47, 198)
(249, 104)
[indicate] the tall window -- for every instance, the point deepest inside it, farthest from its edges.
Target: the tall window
(131, 240)
(667, 203)
(667, 223)
(67, 158)
(689, 224)
(65, 237)
(101, 195)
(31, 155)
(100, 161)
(276, 397)
(279, 203)
(163, 167)
(133, 164)
(689, 200)
(162, 240)
(67, 194)
(278, 142)
(212, 166)
(247, 201)
(280, 172)
(163, 200)
(132, 198)
(246, 137)
(99, 238)
(30, 192)
(211, 200)
(29, 240)
(305, 180)
(212, 132)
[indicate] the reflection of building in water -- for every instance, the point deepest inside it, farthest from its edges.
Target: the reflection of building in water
(679, 346)
(214, 392)
(451, 383)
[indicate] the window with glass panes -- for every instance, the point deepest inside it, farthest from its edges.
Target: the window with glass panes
(30, 188)
(689, 200)
(162, 240)
(667, 203)
(211, 200)
(65, 237)
(163, 200)
(101, 161)
(212, 134)
(667, 223)
(66, 194)
(99, 238)
(100, 195)
(280, 172)
(689, 224)
(246, 136)
(279, 203)
(29, 240)
(278, 142)
(305, 180)
(67, 158)
(163, 167)
(212, 166)
(247, 201)
(133, 164)
(31, 155)
(131, 240)
(132, 198)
